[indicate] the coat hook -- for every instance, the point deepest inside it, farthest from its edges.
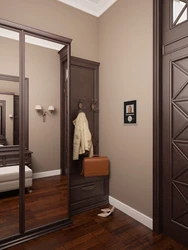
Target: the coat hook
(80, 103)
(93, 105)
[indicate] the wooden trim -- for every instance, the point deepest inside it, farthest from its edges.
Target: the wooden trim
(8, 93)
(83, 62)
(63, 53)
(65, 120)
(22, 134)
(68, 104)
(9, 78)
(157, 118)
(35, 32)
(63, 62)
(95, 113)
(133, 213)
(26, 112)
(3, 119)
(48, 173)
(18, 239)
(92, 206)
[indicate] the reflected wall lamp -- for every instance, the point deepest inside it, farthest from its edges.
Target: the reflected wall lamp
(40, 110)
(51, 109)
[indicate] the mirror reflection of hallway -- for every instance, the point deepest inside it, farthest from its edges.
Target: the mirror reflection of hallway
(48, 201)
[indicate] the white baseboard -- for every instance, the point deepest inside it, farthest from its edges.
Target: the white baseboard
(46, 174)
(142, 218)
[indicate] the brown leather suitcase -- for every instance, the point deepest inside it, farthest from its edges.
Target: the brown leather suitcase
(95, 166)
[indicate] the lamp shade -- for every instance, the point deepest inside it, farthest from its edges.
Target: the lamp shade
(51, 108)
(38, 107)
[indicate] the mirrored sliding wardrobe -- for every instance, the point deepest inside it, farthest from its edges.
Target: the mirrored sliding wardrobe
(34, 100)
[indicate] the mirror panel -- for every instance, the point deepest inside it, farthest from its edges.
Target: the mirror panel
(9, 159)
(47, 203)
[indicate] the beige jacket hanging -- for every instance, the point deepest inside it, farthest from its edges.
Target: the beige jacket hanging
(82, 140)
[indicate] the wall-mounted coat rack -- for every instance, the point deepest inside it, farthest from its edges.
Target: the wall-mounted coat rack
(93, 104)
(80, 103)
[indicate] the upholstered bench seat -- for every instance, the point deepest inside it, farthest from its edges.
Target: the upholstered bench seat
(9, 178)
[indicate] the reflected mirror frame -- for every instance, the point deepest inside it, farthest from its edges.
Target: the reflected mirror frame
(2, 122)
(10, 78)
(22, 30)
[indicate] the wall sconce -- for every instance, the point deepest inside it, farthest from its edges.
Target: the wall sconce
(40, 110)
(51, 109)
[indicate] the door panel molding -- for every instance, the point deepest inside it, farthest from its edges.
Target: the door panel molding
(170, 122)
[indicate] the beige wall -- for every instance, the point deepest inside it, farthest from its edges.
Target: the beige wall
(9, 62)
(9, 87)
(121, 39)
(43, 70)
(125, 54)
(58, 18)
(8, 121)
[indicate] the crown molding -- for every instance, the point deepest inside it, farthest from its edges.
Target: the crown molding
(95, 8)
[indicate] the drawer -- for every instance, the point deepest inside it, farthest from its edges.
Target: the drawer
(80, 179)
(87, 190)
(87, 204)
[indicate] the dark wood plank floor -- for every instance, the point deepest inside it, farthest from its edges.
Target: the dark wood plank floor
(89, 231)
(9, 214)
(47, 203)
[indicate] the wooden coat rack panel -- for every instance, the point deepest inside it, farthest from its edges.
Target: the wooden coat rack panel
(86, 192)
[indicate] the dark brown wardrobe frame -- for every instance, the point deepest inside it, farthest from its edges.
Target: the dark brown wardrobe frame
(24, 236)
(157, 116)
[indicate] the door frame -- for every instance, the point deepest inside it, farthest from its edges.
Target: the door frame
(157, 116)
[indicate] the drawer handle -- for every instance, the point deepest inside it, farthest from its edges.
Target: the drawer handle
(88, 187)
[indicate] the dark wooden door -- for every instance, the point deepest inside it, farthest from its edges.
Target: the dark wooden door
(175, 124)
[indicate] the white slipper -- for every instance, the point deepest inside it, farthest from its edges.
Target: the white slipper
(106, 214)
(105, 210)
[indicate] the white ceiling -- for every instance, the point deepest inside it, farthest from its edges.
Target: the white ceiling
(93, 7)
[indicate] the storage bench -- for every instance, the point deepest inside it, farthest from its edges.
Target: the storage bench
(9, 178)
(88, 192)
